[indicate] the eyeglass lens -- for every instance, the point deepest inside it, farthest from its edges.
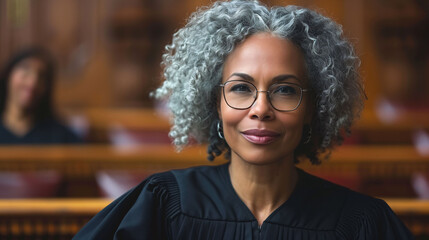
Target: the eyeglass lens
(242, 95)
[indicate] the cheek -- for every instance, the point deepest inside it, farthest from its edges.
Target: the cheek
(293, 125)
(15, 81)
(230, 119)
(292, 128)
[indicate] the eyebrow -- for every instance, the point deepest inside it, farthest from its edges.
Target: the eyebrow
(276, 79)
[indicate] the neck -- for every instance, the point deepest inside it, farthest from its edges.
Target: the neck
(17, 120)
(263, 188)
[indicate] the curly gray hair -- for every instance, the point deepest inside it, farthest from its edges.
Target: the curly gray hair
(193, 65)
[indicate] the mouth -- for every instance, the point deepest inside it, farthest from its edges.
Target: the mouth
(260, 137)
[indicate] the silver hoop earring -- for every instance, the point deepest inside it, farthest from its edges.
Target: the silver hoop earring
(219, 130)
(308, 137)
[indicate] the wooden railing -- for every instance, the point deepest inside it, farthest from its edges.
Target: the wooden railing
(146, 118)
(368, 129)
(46, 218)
(62, 218)
(375, 170)
(414, 213)
(367, 161)
(87, 159)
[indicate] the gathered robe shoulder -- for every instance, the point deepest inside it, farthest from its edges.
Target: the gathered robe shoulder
(200, 203)
(138, 214)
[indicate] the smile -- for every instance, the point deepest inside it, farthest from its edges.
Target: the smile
(260, 137)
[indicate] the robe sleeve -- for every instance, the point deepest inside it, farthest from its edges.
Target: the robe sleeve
(372, 219)
(138, 214)
(388, 225)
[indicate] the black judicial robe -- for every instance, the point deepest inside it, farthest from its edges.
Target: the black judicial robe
(200, 203)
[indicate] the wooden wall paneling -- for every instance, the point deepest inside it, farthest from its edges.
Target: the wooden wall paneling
(17, 26)
(398, 33)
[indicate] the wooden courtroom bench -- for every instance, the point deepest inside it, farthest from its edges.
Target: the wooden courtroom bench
(84, 160)
(369, 129)
(46, 218)
(138, 122)
(62, 218)
(146, 118)
(140, 118)
(414, 213)
(376, 170)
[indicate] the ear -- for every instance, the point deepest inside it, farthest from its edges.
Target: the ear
(219, 113)
(218, 108)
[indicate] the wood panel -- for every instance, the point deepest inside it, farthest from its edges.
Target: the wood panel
(378, 160)
(385, 171)
(147, 118)
(101, 119)
(370, 129)
(46, 218)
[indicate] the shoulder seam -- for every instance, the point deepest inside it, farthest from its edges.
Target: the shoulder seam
(342, 211)
(166, 189)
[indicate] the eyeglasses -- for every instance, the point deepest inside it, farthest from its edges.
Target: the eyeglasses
(284, 97)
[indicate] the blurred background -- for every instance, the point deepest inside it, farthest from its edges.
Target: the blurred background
(107, 55)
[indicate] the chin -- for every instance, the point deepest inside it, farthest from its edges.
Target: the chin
(260, 158)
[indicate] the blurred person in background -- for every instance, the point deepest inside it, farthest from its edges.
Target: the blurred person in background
(27, 114)
(27, 117)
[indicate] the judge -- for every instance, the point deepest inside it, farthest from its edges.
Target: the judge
(268, 87)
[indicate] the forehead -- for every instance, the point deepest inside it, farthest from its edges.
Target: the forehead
(265, 56)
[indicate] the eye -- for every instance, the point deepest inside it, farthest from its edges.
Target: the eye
(285, 90)
(240, 88)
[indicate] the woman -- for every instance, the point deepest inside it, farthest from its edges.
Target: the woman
(27, 117)
(268, 87)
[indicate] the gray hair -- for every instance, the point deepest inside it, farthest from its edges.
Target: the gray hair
(193, 65)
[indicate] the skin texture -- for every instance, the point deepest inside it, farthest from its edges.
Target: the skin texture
(26, 86)
(264, 175)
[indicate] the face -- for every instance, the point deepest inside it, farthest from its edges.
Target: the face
(261, 134)
(27, 83)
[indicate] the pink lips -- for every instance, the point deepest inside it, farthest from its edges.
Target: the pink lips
(258, 136)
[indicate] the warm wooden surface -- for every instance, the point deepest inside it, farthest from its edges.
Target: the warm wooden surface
(406, 120)
(196, 154)
(95, 152)
(94, 205)
(146, 118)
(86, 159)
(409, 206)
(46, 218)
(369, 129)
(142, 118)
(376, 170)
(69, 206)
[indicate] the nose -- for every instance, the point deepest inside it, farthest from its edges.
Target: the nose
(261, 108)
